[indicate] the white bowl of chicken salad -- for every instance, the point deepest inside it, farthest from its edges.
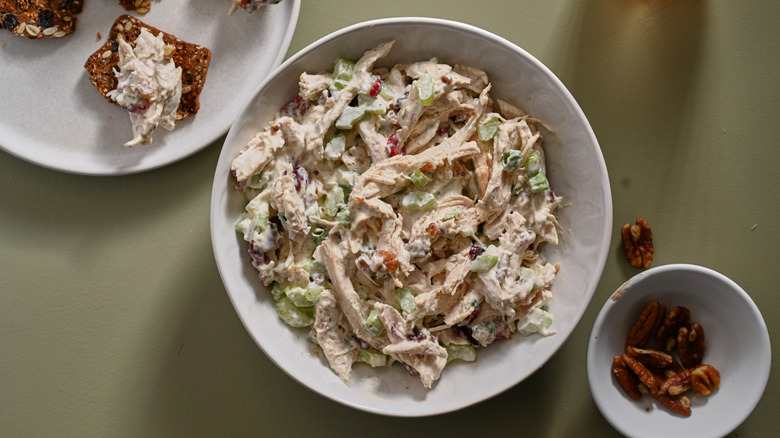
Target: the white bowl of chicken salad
(411, 215)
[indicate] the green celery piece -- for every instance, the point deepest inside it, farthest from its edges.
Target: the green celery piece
(405, 299)
(313, 291)
(461, 352)
(533, 164)
(316, 267)
(526, 272)
(293, 315)
(342, 73)
(425, 89)
(335, 147)
(483, 263)
(349, 117)
(344, 217)
(451, 214)
(488, 126)
(419, 201)
(371, 105)
(318, 235)
(374, 107)
(387, 92)
(346, 177)
(511, 159)
(538, 321)
(538, 183)
(298, 296)
(372, 357)
(374, 324)
(277, 291)
(334, 201)
(418, 178)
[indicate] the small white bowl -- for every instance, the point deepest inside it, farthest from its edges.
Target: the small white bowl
(576, 171)
(737, 346)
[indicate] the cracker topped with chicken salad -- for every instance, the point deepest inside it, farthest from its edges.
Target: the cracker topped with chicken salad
(398, 213)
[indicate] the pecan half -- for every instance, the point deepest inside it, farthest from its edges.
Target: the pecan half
(667, 331)
(626, 378)
(704, 379)
(678, 383)
(638, 243)
(699, 344)
(681, 404)
(646, 325)
(642, 373)
(690, 347)
(654, 360)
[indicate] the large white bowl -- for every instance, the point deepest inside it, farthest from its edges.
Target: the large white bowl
(575, 167)
(737, 345)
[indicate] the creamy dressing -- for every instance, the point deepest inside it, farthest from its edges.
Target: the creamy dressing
(149, 85)
(413, 224)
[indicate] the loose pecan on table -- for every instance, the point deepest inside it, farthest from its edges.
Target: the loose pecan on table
(638, 243)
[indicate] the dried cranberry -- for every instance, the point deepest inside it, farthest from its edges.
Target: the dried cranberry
(465, 331)
(363, 344)
(418, 336)
(475, 251)
(392, 145)
(46, 19)
(469, 319)
(258, 257)
(136, 107)
(399, 102)
(395, 332)
(10, 21)
(376, 88)
(295, 108)
(301, 178)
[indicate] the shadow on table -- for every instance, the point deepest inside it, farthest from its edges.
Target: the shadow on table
(631, 65)
(214, 381)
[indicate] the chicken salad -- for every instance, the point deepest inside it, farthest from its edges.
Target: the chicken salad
(393, 213)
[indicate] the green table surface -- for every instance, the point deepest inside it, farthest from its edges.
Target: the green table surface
(114, 320)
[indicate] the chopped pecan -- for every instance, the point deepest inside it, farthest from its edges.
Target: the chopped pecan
(646, 325)
(626, 378)
(667, 331)
(642, 373)
(681, 404)
(654, 360)
(638, 243)
(704, 379)
(678, 383)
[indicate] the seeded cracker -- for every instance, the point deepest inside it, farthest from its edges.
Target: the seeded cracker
(193, 59)
(36, 19)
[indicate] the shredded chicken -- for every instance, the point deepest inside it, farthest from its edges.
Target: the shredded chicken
(402, 223)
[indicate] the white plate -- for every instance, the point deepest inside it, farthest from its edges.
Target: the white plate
(737, 343)
(51, 115)
(576, 170)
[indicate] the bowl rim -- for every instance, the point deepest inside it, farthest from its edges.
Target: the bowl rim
(602, 248)
(607, 314)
